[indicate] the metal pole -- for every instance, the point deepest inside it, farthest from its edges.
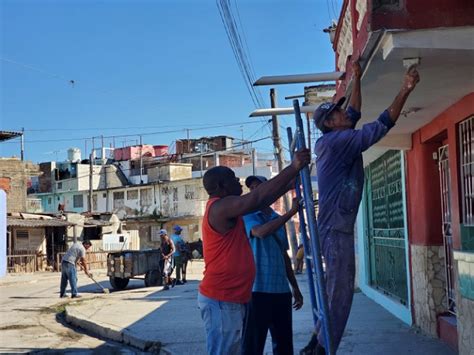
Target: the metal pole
(141, 161)
(254, 162)
(22, 138)
(314, 235)
(305, 241)
(91, 171)
(279, 155)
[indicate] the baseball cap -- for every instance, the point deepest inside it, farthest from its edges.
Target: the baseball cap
(163, 232)
(252, 178)
(177, 228)
(324, 110)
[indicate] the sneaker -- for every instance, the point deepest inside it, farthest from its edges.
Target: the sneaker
(184, 281)
(179, 283)
(76, 296)
(63, 296)
(173, 283)
(166, 288)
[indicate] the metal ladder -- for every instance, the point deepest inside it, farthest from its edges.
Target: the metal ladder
(318, 295)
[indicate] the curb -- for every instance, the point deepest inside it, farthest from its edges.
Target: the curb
(111, 332)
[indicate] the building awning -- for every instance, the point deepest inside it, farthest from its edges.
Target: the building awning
(6, 135)
(36, 223)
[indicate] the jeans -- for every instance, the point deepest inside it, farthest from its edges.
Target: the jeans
(223, 322)
(268, 311)
(178, 262)
(68, 273)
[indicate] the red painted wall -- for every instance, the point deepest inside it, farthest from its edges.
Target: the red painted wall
(423, 179)
(424, 203)
(418, 14)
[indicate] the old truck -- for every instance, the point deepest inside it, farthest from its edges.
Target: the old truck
(131, 264)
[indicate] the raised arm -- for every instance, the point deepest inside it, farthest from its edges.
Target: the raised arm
(409, 83)
(266, 193)
(356, 97)
(264, 230)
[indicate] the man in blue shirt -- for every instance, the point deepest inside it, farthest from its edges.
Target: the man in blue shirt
(178, 255)
(270, 307)
(340, 173)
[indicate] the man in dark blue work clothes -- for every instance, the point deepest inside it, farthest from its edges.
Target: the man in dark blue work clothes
(341, 179)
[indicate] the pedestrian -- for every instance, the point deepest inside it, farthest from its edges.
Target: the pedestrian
(340, 174)
(179, 253)
(299, 259)
(229, 272)
(75, 254)
(271, 304)
(167, 251)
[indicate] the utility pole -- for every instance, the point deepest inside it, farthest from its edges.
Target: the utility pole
(254, 163)
(280, 159)
(91, 172)
(22, 144)
(141, 161)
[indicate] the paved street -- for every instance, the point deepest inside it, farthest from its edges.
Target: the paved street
(29, 305)
(153, 319)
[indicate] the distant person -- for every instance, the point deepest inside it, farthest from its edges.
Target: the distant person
(167, 251)
(299, 259)
(270, 307)
(179, 254)
(75, 254)
(229, 264)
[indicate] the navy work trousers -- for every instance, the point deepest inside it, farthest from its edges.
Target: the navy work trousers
(268, 311)
(339, 257)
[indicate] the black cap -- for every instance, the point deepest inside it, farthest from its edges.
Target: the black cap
(252, 178)
(86, 242)
(324, 111)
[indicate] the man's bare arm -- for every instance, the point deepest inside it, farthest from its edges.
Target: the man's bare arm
(230, 207)
(356, 97)
(411, 79)
(264, 230)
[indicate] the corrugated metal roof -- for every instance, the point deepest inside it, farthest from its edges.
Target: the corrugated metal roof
(31, 223)
(6, 135)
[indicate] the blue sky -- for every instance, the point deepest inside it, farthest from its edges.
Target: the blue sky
(147, 66)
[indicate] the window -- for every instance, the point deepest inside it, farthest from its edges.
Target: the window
(50, 200)
(60, 185)
(119, 199)
(146, 197)
(78, 201)
(466, 145)
(94, 202)
(190, 192)
(22, 234)
(104, 195)
(155, 233)
(132, 195)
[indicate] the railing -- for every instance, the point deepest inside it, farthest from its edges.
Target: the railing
(26, 263)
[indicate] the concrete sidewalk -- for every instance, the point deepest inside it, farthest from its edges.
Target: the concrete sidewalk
(152, 319)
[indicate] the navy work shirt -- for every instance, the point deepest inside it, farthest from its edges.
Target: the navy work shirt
(341, 172)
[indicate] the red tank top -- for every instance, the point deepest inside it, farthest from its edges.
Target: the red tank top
(229, 265)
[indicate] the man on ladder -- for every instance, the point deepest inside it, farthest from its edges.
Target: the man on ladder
(340, 174)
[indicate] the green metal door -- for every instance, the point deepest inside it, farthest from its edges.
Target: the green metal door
(386, 226)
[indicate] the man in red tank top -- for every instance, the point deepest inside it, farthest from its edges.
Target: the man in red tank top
(229, 265)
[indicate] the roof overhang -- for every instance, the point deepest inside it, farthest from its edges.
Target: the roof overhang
(446, 72)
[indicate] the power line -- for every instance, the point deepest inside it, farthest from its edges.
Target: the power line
(135, 134)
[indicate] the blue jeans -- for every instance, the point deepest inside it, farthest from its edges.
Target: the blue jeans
(223, 322)
(68, 272)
